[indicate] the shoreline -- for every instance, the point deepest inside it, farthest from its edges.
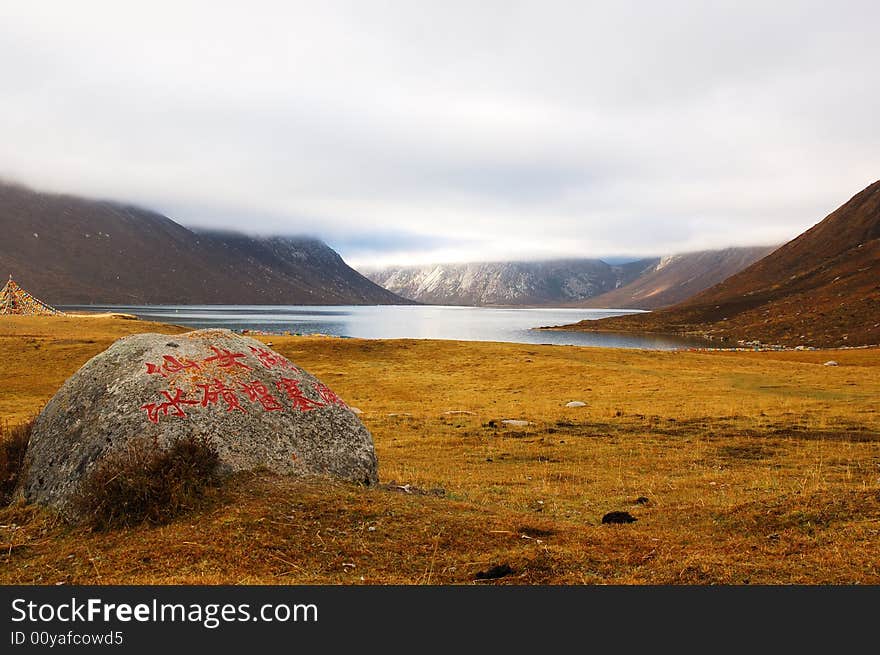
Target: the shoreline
(742, 345)
(122, 315)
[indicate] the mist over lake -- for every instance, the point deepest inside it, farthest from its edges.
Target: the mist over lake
(515, 325)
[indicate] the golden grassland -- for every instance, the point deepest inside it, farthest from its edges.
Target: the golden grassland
(758, 468)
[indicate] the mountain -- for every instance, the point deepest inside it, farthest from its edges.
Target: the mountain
(71, 250)
(678, 277)
(508, 283)
(820, 289)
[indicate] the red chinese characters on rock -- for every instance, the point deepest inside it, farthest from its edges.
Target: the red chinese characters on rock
(272, 360)
(298, 400)
(226, 358)
(171, 404)
(258, 393)
(216, 391)
(171, 365)
(328, 396)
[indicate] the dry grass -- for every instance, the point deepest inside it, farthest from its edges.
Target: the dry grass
(758, 468)
(13, 446)
(142, 483)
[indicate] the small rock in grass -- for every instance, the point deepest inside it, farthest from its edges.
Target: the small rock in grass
(642, 500)
(516, 423)
(830, 362)
(355, 410)
(576, 403)
(618, 517)
(497, 571)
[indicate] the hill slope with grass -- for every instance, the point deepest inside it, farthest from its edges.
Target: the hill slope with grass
(70, 250)
(820, 289)
(676, 278)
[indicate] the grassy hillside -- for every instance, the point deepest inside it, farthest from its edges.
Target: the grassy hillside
(679, 277)
(820, 289)
(757, 468)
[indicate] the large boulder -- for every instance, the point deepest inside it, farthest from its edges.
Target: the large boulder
(256, 408)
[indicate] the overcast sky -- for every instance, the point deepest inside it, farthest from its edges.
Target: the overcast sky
(414, 132)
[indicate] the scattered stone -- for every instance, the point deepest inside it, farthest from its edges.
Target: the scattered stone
(252, 405)
(394, 414)
(356, 410)
(457, 412)
(830, 362)
(576, 403)
(497, 571)
(515, 423)
(414, 491)
(619, 517)
(531, 531)
(642, 500)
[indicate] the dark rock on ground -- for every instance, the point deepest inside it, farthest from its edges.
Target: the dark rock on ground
(619, 517)
(497, 571)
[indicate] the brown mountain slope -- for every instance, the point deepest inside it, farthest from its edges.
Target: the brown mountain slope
(679, 277)
(70, 250)
(821, 289)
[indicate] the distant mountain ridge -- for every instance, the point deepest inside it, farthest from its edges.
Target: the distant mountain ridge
(820, 289)
(71, 250)
(678, 277)
(643, 284)
(508, 283)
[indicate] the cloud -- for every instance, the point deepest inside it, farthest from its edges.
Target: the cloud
(416, 132)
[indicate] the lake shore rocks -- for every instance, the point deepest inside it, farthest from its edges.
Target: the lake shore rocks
(254, 407)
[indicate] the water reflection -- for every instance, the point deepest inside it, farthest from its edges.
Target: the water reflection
(406, 322)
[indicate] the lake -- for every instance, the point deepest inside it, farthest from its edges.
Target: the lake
(405, 322)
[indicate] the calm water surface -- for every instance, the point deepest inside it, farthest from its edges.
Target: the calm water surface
(405, 322)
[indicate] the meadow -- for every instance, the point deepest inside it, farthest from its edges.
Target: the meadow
(740, 468)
